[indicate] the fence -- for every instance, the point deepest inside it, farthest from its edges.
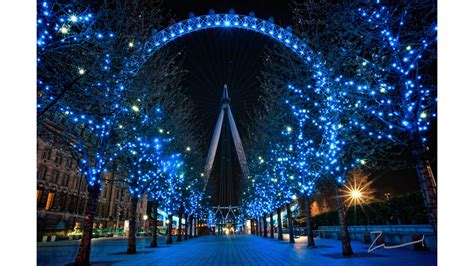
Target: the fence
(391, 234)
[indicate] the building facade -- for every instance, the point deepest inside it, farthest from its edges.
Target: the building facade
(61, 196)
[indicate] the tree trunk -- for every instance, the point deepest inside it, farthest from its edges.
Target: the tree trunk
(195, 227)
(180, 216)
(272, 235)
(186, 227)
(191, 226)
(255, 227)
(265, 225)
(290, 223)
(280, 227)
(169, 233)
(132, 243)
(257, 221)
(309, 228)
(83, 257)
(345, 239)
(427, 182)
(154, 231)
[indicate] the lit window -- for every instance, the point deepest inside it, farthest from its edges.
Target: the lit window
(38, 195)
(50, 200)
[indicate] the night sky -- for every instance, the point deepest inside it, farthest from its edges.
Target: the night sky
(234, 57)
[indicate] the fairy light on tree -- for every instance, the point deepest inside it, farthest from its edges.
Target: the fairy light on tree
(404, 53)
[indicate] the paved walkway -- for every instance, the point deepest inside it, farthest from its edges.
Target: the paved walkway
(231, 250)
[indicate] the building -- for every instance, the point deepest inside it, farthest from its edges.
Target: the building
(61, 196)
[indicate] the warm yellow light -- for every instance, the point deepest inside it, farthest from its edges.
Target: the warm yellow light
(357, 190)
(383, 90)
(130, 44)
(135, 108)
(423, 115)
(289, 129)
(145, 217)
(362, 162)
(82, 71)
(356, 194)
(64, 30)
(188, 148)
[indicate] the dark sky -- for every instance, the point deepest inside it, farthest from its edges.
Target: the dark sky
(278, 9)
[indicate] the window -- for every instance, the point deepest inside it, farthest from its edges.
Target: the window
(50, 200)
(58, 159)
(39, 193)
(72, 204)
(44, 196)
(54, 177)
(80, 208)
(56, 202)
(65, 180)
(100, 206)
(63, 201)
(105, 191)
(42, 172)
(74, 182)
(69, 163)
(46, 154)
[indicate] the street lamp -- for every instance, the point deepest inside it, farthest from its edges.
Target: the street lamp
(356, 194)
(357, 190)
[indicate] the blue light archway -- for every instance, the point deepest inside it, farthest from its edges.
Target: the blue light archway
(211, 21)
(279, 34)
